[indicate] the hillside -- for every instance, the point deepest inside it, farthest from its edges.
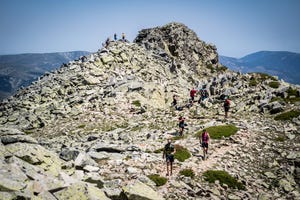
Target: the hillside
(22, 69)
(283, 64)
(96, 129)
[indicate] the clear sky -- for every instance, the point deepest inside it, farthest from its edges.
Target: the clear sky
(236, 27)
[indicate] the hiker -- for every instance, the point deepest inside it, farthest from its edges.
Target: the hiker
(107, 42)
(204, 139)
(181, 125)
(168, 153)
(83, 59)
(192, 94)
(115, 37)
(226, 106)
(123, 37)
(174, 103)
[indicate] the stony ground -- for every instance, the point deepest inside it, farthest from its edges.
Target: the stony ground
(91, 129)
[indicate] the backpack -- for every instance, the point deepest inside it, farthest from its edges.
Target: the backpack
(227, 103)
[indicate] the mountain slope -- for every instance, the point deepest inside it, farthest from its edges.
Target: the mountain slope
(96, 128)
(20, 70)
(285, 65)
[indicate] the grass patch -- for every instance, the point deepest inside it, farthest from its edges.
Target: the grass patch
(291, 92)
(279, 99)
(287, 115)
(181, 153)
(179, 137)
(158, 180)
(224, 178)
(265, 76)
(158, 150)
(274, 84)
(136, 103)
(27, 132)
(187, 173)
(217, 132)
(81, 126)
(252, 83)
(280, 139)
(137, 128)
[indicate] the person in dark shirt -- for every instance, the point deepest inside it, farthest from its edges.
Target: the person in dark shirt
(168, 153)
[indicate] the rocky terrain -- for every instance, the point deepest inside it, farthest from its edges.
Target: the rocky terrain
(94, 129)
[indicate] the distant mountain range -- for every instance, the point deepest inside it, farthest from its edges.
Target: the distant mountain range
(284, 64)
(22, 69)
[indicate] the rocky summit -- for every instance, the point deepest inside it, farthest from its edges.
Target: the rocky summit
(95, 128)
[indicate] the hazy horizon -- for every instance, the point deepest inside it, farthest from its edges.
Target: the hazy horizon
(236, 27)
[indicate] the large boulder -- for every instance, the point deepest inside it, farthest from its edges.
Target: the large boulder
(140, 191)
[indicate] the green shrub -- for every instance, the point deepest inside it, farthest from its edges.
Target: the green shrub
(81, 126)
(264, 76)
(291, 92)
(158, 180)
(274, 84)
(187, 173)
(136, 103)
(181, 153)
(280, 139)
(253, 83)
(27, 132)
(288, 115)
(279, 99)
(158, 150)
(223, 177)
(217, 132)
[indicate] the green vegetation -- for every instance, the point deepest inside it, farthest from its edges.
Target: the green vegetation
(179, 137)
(217, 132)
(136, 103)
(288, 115)
(216, 69)
(260, 77)
(81, 126)
(291, 92)
(280, 139)
(181, 153)
(27, 132)
(158, 180)
(223, 177)
(187, 173)
(279, 99)
(158, 150)
(253, 83)
(222, 68)
(264, 76)
(274, 84)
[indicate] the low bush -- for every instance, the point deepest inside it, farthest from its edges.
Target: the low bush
(288, 115)
(274, 84)
(181, 153)
(253, 83)
(217, 132)
(157, 179)
(224, 178)
(187, 173)
(158, 150)
(136, 103)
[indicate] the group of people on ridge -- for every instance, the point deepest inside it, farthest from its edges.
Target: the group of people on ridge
(108, 40)
(169, 149)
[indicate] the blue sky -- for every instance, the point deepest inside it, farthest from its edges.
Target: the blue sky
(236, 27)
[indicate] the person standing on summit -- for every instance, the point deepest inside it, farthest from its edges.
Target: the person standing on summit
(123, 37)
(115, 37)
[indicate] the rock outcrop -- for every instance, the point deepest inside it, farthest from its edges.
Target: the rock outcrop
(94, 129)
